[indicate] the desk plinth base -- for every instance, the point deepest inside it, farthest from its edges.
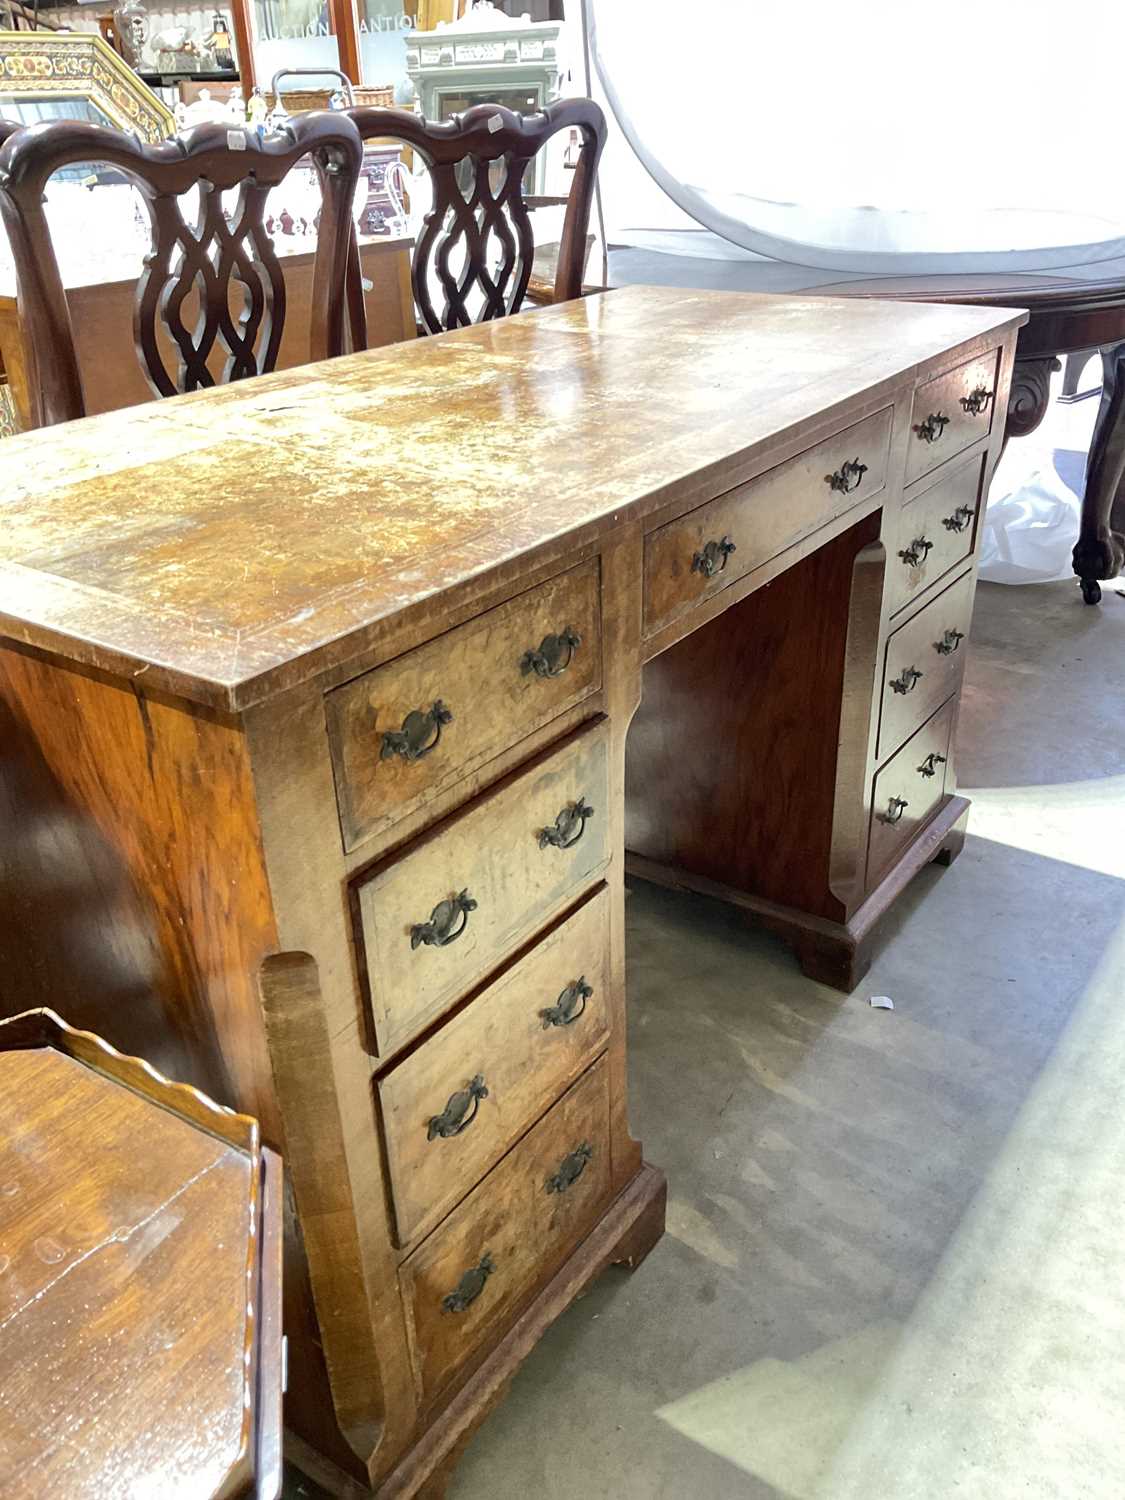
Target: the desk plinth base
(623, 1236)
(838, 954)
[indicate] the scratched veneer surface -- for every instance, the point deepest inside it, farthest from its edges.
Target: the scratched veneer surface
(216, 539)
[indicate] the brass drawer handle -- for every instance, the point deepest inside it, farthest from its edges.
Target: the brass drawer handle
(930, 764)
(949, 642)
(570, 1169)
(895, 809)
(443, 927)
(908, 681)
(566, 1009)
(420, 733)
(713, 558)
(456, 1116)
(914, 555)
(960, 518)
(555, 654)
(569, 827)
(469, 1288)
(848, 477)
(932, 428)
(976, 401)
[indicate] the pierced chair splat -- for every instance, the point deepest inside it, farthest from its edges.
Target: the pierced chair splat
(475, 250)
(194, 275)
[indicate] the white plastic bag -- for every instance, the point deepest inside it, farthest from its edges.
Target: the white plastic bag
(1028, 535)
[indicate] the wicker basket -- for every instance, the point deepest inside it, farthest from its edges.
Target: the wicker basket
(383, 96)
(300, 101)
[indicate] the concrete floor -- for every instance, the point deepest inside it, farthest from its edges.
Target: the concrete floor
(895, 1259)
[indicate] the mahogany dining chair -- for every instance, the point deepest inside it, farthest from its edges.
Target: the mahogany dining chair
(473, 257)
(210, 303)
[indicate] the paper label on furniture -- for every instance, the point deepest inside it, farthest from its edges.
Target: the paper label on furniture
(495, 124)
(236, 140)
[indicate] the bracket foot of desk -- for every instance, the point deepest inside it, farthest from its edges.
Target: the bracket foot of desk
(624, 1235)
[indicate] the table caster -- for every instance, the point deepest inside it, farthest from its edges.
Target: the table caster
(1091, 590)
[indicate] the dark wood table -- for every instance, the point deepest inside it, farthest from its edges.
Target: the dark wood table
(140, 1279)
(1071, 312)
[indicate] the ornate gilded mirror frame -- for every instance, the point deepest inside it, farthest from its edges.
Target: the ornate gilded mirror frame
(79, 65)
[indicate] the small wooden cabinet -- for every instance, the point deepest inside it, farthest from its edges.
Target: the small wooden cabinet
(140, 1280)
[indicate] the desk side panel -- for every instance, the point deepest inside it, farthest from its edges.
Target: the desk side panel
(134, 899)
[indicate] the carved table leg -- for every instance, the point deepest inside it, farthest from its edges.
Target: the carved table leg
(1100, 551)
(1029, 396)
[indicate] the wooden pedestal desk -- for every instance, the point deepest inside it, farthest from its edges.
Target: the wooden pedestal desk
(316, 791)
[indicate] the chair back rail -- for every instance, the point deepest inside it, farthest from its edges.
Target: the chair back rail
(221, 251)
(464, 219)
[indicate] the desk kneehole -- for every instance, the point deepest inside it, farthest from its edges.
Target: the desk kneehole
(924, 663)
(696, 555)
(437, 918)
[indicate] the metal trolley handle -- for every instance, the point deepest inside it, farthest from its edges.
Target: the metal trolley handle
(345, 81)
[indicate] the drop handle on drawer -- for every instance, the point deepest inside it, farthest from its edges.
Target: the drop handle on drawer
(555, 654)
(570, 1169)
(420, 733)
(567, 1008)
(932, 428)
(460, 1112)
(960, 518)
(448, 921)
(569, 827)
(848, 476)
(469, 1288)
(713, 558)
(949, 642)
(930, 764)
(895, 809)
(977, 401)
(915, 555)
(908, 681)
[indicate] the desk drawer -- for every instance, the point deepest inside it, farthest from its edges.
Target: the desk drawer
(404, 732)
(523, 1041)
(950, 412)
(436, 919)
(470, 1278)
(936, 531)
(908, 791)
(924, 662)
(698, 554)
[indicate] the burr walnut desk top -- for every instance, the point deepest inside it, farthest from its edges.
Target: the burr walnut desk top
(236, 541)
